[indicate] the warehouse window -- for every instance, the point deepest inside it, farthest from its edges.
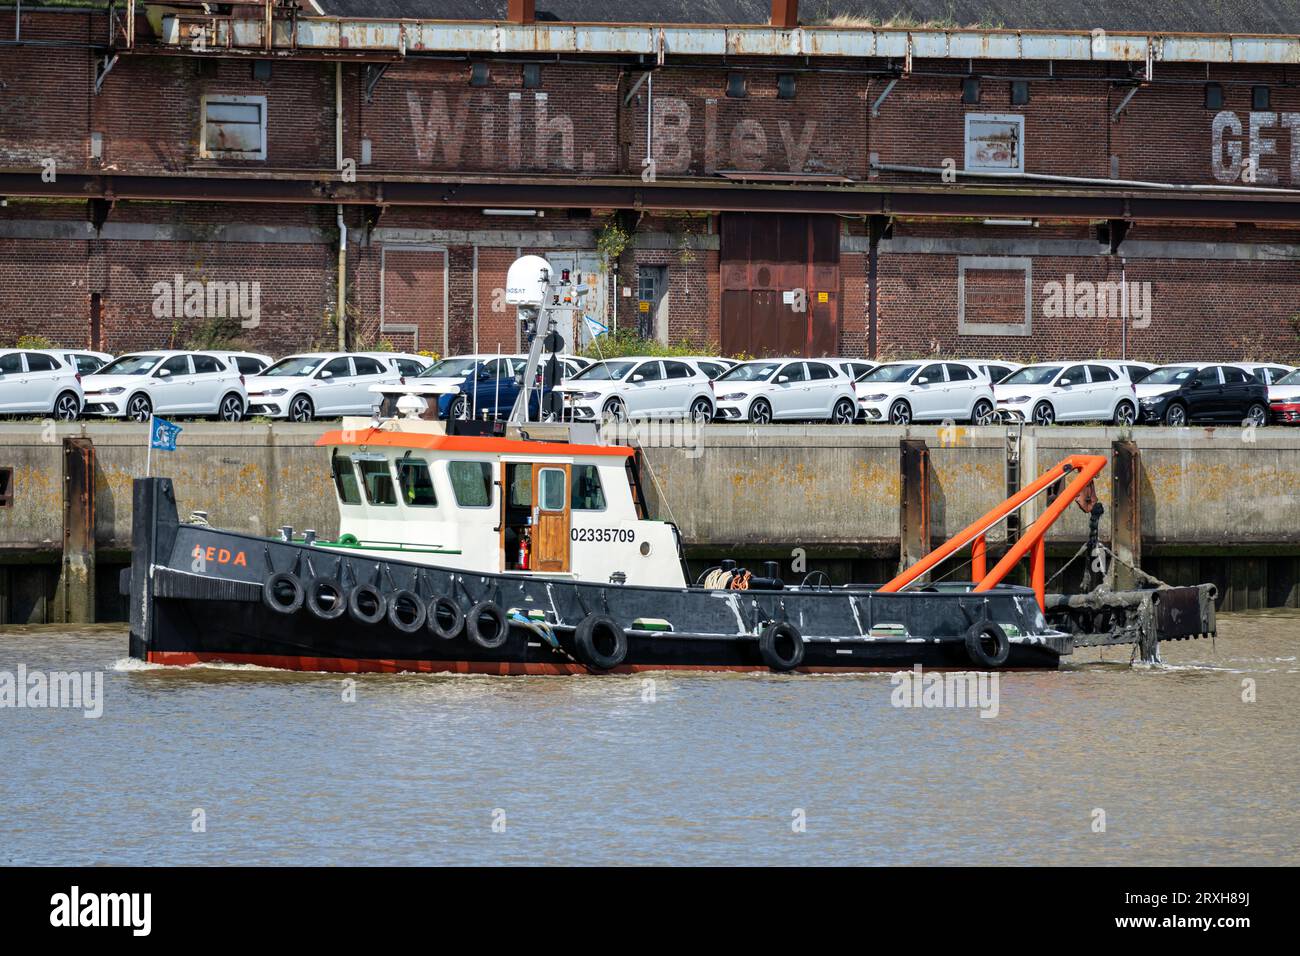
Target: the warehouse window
(233, 127)
(994, 295)
(995, 142)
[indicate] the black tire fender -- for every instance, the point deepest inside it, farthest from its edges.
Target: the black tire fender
(987, 632)
(406, 611)
(273, 588)
(445, 619)
(371, 595)
(601, 644)
(497, 628)
(321, 586)
(782, 646)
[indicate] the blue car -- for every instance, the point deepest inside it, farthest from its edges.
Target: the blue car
(486, 386)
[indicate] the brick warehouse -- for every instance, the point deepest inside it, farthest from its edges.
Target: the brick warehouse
(1044, 184)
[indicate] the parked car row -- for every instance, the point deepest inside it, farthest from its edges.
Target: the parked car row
(67, 384)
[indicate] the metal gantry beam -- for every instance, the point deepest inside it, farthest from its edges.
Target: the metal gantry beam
(627, 192)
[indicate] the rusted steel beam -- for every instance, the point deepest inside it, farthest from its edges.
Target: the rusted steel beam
(77, 580)
(1126, 512)
(914, 502)
(632, 193)
(521, 11)
(785, 14)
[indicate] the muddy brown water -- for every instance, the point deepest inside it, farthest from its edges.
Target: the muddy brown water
(668, 768)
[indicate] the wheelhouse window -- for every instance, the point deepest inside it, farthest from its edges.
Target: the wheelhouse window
(587, 493)
(471, 483)
(378, 482)
(552, 491)
(345, 480)
(416, 483)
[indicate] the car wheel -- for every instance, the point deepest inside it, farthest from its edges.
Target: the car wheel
(615, 410)
(900, 413)
(1176, 416)
(139, 408)
(232, 409)
(843, 412)
(459, 408)
(1044, 414)
(301, 409)
(1125, 414)
(66, 407)
(982, 413)
(760, 413)
(1257, 415)
(701, 410)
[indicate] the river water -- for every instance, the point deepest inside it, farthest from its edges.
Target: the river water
(211, 765)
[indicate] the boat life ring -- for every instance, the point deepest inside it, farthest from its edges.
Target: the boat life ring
(600, 642)
(987, 645)
(445, 618)
(487, 625)
(282, 592)
(366, 604)
(781, 646)
(406, 611)
(325, 598)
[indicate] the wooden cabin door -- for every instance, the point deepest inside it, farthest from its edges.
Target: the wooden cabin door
(551, 514)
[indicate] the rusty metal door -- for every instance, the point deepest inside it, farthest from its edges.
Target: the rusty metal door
(780, 275)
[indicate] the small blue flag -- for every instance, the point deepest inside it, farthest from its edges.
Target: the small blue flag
(163, 435)
(595, 329)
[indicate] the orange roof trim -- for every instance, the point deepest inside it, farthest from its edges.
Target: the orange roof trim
(504, 446)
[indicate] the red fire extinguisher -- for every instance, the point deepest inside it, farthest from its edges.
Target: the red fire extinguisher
(523, 552)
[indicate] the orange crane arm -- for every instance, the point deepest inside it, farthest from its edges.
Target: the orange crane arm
(1084, 468)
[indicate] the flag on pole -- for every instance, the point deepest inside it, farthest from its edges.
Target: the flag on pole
(162, 434)
(594, 328)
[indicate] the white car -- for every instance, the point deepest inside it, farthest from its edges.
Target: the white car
(994, 370)
(904, 392)
(637, 387)
(1067, 392)
(710, 365)
(1266, 372)
(404, 363)
(38, 383)
(1284, 399)
(1136, 371)
(246, 363)
(853, 368)
(165, 382)
(82, 360)
(319, 385)
(787, 389)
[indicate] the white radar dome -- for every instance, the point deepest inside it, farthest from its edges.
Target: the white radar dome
(526, 281)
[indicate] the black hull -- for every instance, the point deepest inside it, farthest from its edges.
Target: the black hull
(197, 597)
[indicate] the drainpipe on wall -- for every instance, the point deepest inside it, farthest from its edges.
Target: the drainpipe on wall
(341, 310)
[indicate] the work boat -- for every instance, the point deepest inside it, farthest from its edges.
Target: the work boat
(525, 548)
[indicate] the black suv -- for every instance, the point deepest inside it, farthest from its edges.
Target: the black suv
(1217, 393)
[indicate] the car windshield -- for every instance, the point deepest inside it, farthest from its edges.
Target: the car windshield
(604, 372)
(1290, 378)
(749, 372)
(890, 373)
(294, 365)
(1168, 375)
(1033, 375)
(130, 365)
(450, 368)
